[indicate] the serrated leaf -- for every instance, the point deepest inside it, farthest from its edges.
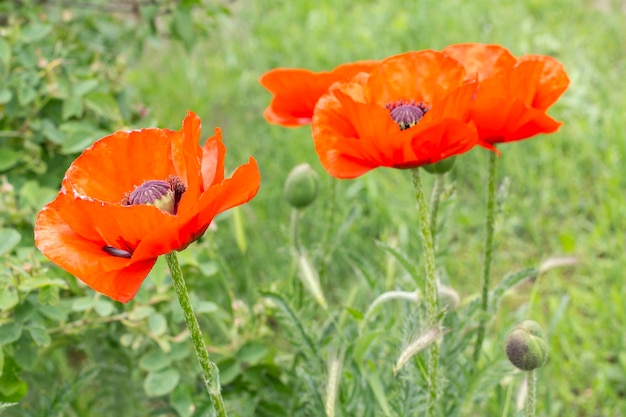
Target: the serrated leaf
(154, 360)
(10, 332)
(161, 383)
(48, 296)
(83, 87)
(9, 238)
(157, 324)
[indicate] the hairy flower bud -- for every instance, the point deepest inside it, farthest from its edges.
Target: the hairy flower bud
(301, 186)
(526, 346)
(441, 167)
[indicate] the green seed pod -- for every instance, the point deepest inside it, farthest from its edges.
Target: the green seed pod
(441, 167)
(301, 186)
(526, 346)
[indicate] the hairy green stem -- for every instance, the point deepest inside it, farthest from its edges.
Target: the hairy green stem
(489, 227)
(531, 392)
(435, 197)
(430, 292)
(210, 372)
(330, 220)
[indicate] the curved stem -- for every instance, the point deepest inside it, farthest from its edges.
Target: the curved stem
(210, 372)
(531, 392)
(489, 226)
(430, 292)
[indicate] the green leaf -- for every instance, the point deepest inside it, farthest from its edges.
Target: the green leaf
(8, 158)
(39, 335)
(83, 87)
(5, 96)
(161, 383)
(104, 307)
(103, 105)
(26, 353)
(154, 360)
(182, 26)
(8, 298)
(157, 324)
(252, 352)
(182, 401)
(230, 369)
(35, 31)
(48, 296)
(51, 132)
(78, 136)
(5, 52)
(9, 333)
(83, 303)
(72, 106)
(377, 388)
(36, 196)
(140, 313)
(206, 307)
(9, 238)
(56, 312)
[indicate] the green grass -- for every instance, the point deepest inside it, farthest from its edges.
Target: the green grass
(566, 193)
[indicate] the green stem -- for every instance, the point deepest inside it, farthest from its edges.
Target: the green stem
(489, 226)
(435, 197)
(430, 292)
(211, 373)
(330, 220)
(296, 251)
(531, 394)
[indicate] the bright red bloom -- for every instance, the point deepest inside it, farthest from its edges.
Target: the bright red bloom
(514, 93)
(101, 227)
(296, 90)
(411, 110)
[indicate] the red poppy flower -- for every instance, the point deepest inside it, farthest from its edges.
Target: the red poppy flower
(514, 93)
(412, 109)
(133, 196)
(297, 90)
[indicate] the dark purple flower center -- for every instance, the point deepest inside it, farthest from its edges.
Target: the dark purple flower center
(406, 114)
(164, 195)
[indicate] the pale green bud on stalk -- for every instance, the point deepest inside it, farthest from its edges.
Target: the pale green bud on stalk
(526, 346)
(301, 186)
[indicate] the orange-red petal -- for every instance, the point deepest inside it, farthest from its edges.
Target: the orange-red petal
(213, 154)
(116, 277)
(423, 76)
(296, 91)
(481, 60)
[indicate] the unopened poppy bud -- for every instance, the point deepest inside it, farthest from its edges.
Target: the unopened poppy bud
(526, 346)
(441, 167)
(155, 193)
(301, 186)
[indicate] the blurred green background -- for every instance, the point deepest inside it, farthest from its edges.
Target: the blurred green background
(71, 72)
